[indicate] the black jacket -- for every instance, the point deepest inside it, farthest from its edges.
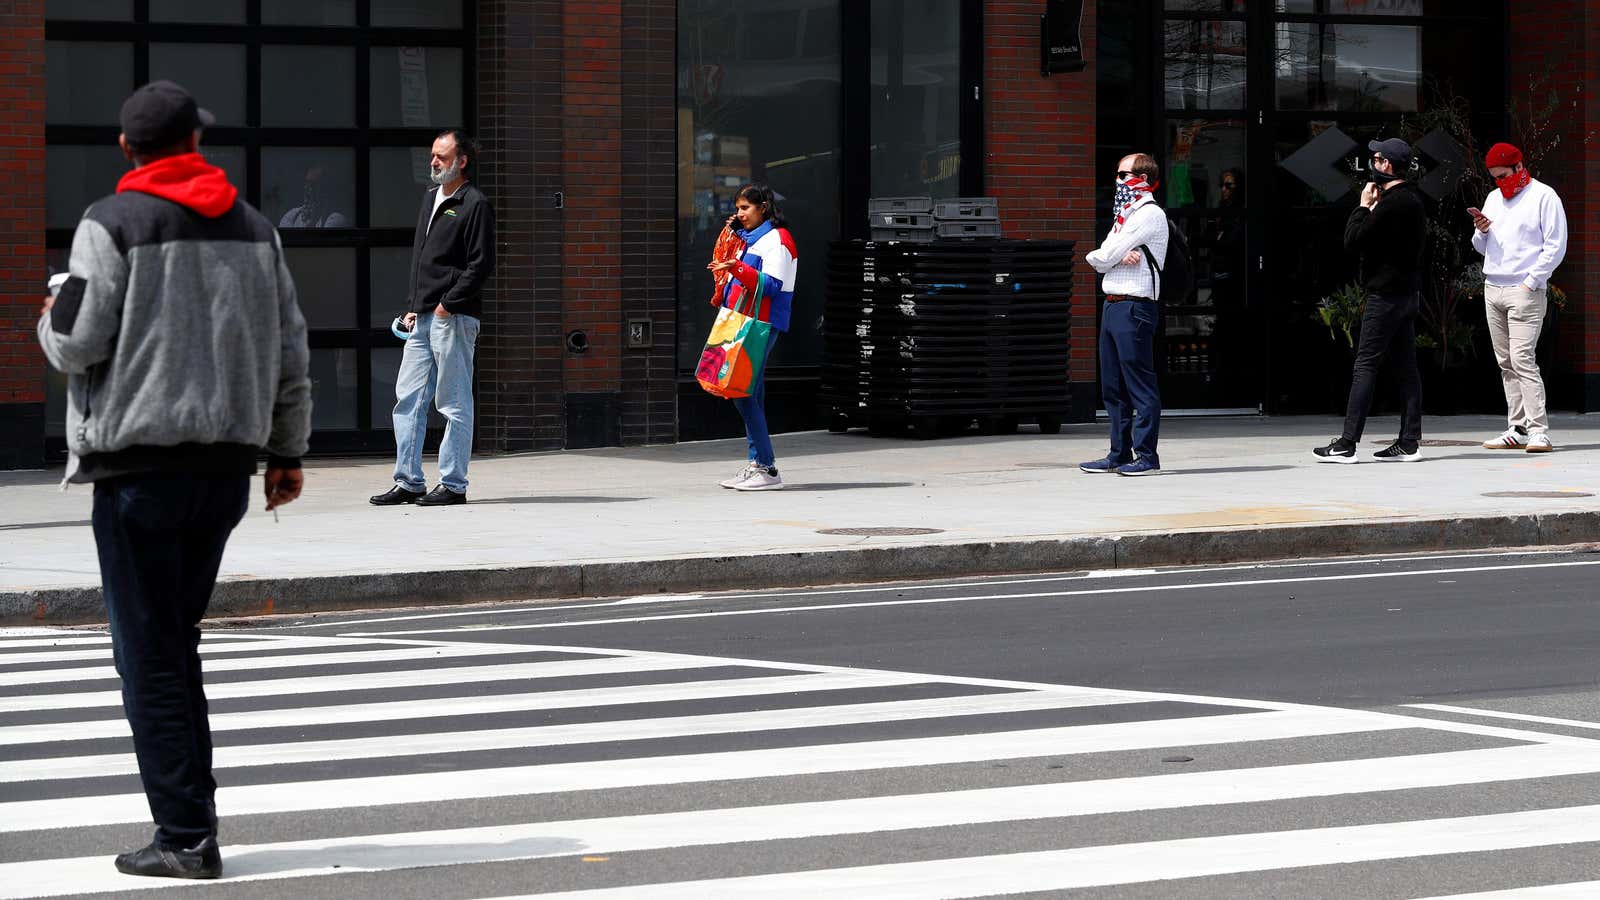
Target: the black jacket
(1390, 238)
(451, 262)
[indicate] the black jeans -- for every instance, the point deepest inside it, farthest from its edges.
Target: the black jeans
(160, 538)
(1388, 340)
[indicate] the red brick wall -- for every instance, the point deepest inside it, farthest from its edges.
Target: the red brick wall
(576, 98)
(22, 233)
(1039, 137)
(1560, 39)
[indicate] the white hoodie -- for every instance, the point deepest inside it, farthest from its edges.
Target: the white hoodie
(1527, 238)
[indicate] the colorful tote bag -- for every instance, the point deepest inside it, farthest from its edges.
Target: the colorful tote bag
(736, 350)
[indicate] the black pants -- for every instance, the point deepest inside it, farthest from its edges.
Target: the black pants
(1389, 341)
(160, 538)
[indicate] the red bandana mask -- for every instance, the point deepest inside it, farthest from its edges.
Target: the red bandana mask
(1513, 183)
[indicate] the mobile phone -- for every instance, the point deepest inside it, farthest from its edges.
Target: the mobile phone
(1474, 212)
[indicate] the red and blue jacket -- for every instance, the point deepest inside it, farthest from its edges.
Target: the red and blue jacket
(768, 251)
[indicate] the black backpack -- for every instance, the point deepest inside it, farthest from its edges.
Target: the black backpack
(1175, 277)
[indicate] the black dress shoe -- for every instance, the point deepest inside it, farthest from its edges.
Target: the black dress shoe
(395, 496)
(203, 860)
(442, 496)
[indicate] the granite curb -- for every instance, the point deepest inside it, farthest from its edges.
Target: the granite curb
(387, 590)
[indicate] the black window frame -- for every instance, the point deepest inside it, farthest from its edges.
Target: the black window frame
(253, 138)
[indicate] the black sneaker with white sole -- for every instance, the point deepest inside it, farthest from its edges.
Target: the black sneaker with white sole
(1337, 451)
(1399, 451)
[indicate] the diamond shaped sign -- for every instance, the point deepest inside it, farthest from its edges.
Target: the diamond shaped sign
(1317, 163)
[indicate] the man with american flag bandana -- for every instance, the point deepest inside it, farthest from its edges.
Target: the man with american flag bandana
(1130, 319)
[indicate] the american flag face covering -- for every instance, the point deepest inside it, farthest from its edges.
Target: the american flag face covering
(1129, 193)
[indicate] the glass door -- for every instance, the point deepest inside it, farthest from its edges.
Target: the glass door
(1206, 360)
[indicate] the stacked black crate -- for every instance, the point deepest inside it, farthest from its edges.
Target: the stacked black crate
(933, 337)
(966, 217)
(900, 219)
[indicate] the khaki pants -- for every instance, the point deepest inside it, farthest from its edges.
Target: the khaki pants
(1516, 315)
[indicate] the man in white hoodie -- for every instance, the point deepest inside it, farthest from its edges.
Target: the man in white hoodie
(1522, 234)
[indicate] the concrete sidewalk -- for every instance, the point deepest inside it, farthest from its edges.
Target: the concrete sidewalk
(639, 521)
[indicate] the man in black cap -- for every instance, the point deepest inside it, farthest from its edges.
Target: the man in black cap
(1388, 229)
(186, 357)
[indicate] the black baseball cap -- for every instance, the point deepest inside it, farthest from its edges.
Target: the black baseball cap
(1395, 151)
(161, 114)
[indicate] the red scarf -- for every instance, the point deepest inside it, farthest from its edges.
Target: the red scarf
(1513, 184)
(187, 180)
(729, 246)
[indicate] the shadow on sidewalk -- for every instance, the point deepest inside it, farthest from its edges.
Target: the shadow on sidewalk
(848, 485)
(555, 498)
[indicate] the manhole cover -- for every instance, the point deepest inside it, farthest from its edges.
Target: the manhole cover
(1432, 442)
(879, 532)
(1047, 465)
(1557, 495)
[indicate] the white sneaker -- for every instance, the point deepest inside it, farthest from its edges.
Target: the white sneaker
(748, 470)
(1510, 439)
(762, 479)
(1540, 443)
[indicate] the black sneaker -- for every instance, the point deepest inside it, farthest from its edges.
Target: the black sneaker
(1399, 451)
(442, 496)
(1339, 451)
(203, 860)
(395, 496)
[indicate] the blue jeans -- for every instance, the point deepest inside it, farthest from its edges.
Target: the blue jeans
(753, 410)
(160, 537)
(1128, 385)
(437, 362)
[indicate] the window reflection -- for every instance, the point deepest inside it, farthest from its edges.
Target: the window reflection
(214, 73)
(1353, 7)
(1351, 68)
(756, 102)
(219, 11)
(916, 98)
(86, 82)
(308, 187)
(390, 283)
(333, 389)
(398, 179)
(308, 86)
(93, 10)
(1199, 151)
(1205, 64)
(325, 280)
(309, 12)
(415, 86)
(76, 176)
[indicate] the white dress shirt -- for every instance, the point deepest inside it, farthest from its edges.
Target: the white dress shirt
(1146, 224)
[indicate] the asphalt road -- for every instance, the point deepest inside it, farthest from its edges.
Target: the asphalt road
(1410, 727)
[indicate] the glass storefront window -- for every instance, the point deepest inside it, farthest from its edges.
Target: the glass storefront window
(762, 107)
(385, 370)
(916, 98)
(333, 389)
(214, 73)
(1350, 68)
(335, 13)
(76, 176)
(416, 13)
(90, 10)
(1205, 64)
(325, 280)
(224, 12)
(233, 160)
(1199, 152)
(389, 281)
(86, 81)
(1206, 6)
(308, 187)
(1353, 7)
(415, 87)
(398, 179)
(308, 87)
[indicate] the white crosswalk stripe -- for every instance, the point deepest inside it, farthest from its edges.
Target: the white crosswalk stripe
(358, 724)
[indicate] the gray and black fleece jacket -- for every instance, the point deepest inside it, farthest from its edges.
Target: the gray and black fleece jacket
(179, 330)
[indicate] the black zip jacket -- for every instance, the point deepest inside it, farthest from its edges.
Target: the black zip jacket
(451, 262)
(1390, 238)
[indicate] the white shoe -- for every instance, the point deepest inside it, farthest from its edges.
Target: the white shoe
(1510, 439)
(748, 470)
(762, 479)
(1540, 443)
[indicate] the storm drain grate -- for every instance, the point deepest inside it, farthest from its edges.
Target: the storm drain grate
(1557, 495)
(879, 532)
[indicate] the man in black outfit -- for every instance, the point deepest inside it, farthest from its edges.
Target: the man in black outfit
(1388, 229)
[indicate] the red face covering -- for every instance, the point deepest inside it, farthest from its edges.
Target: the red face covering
(1511, 184)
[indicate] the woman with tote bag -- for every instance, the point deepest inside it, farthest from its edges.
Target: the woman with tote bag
(760, 281)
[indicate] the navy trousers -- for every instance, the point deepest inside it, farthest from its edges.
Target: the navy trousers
(1128, 385)
(160, 538)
